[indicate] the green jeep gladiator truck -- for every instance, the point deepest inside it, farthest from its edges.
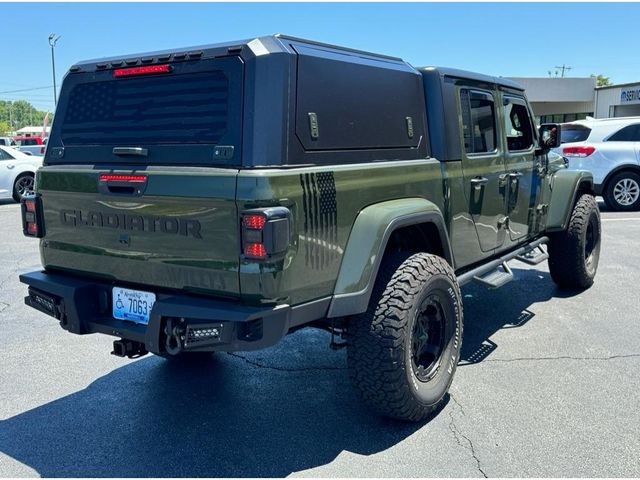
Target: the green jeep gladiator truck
(217, 198)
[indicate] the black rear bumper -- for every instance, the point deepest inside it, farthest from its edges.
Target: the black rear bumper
(84, 306)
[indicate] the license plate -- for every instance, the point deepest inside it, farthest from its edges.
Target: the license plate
(132, 305)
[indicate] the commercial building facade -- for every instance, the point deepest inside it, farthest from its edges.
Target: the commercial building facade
(618, 101)
(558, 100)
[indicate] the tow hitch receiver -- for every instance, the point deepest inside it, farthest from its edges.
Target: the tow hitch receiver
(128, 348)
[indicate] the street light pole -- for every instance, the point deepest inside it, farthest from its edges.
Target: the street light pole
(52, 41)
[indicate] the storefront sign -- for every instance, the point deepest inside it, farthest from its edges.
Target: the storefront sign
(631, 95)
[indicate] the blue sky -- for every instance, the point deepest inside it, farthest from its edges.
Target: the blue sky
(507, 39)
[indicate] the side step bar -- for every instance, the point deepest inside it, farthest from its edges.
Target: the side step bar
(533, 256)
(497, 278)
(490, 274)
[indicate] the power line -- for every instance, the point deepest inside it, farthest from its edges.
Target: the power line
(26, 89)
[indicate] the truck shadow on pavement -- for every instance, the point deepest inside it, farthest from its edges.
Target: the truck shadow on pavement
(269, 413)
(487, 311)
(263, 414)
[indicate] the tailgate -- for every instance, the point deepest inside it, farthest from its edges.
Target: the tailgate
(180, 232)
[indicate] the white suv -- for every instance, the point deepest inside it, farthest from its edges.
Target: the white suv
(610, 149)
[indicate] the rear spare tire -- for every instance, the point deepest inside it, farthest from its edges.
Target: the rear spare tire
(403, 351)
(574, 253)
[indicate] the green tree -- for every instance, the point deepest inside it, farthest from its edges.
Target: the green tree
(601, 80)
(5, 128)
(20, 113)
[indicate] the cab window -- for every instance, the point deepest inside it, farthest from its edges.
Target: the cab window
(518, 125)
(5, 156)
(478, 121)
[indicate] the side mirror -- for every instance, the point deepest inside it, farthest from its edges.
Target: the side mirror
(549, 135)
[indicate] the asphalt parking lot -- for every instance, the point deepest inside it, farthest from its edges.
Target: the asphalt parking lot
(548, 386)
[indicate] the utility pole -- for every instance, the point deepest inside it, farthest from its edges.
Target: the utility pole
(52, 41)
(562, 68)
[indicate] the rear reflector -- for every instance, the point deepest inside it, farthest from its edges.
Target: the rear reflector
(108, 177)
(146, 70)
(578, 151)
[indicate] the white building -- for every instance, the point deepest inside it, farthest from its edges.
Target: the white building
(618, 101)
(558, 100)
(32, 132)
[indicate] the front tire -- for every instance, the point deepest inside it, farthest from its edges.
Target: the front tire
(622, 192)
(403, 351)
(574, 253)
(23, 185)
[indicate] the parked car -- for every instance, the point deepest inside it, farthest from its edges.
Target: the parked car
(17, 171)
(30, 145)
(7, 141)
(610, 149)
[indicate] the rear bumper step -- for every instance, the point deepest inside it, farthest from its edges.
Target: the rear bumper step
(84, 306)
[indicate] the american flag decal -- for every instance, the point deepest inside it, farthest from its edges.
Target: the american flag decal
(320, 218)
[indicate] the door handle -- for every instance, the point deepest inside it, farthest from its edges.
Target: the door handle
(479, 182)
(10, 166)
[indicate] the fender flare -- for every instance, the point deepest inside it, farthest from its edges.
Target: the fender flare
(366, 246)
(565, 186)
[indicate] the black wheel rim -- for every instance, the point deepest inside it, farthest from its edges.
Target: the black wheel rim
(428, 338)
(24, 185)
(591, 241)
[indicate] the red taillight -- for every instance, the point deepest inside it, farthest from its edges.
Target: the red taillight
(578, 151)
(107, 177)
(42, 150)
(254, 221)
(32, 218)
(146, 70)
(265, 232)
(255, 250)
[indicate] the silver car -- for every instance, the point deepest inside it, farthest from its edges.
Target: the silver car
(610, 149)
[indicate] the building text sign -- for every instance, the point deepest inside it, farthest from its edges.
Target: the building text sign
(630, 95)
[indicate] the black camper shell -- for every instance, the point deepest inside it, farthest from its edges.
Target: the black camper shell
(267, 102)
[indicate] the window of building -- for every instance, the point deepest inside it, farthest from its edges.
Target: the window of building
(478, 121)
(518, 127)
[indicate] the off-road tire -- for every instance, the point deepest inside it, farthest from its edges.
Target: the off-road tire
(574, 252)
(18, 184)
(380, 352)
(609, 194)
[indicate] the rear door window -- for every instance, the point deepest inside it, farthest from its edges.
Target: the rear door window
(478, 121)
(630, 133)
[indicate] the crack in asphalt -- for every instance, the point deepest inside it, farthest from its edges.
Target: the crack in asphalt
(282, 369)
(561, 357)
(457, 434)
